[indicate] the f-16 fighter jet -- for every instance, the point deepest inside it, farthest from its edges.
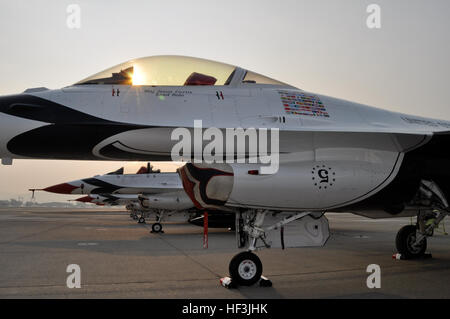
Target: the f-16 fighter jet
(322, 154)
(161, 206)
(144, 194)
(194, 216)
(119, 183)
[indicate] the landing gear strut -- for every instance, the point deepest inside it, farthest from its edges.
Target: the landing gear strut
(406, 243)
(411, 240)
(246, 268)
(157, 227)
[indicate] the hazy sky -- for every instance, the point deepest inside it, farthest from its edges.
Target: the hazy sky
(319, 46)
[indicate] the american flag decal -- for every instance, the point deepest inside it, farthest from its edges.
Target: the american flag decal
(299, 103)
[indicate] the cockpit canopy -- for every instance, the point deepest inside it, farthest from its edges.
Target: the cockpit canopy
(176, 71)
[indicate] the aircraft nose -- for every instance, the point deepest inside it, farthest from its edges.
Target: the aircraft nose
(16, 104)
(63, 188)
(15, 115)
(9, 127)
(4, 103)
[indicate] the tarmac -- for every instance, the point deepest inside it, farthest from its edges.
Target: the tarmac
(119, 258)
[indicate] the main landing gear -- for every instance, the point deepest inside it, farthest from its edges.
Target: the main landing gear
(137, 215)
(141, 218)
(133, 212)
(142, 215)
(411, 240)
(407, 245)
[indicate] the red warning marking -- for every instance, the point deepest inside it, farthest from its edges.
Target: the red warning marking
(205, 230)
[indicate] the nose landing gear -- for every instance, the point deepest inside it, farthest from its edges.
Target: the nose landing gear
(245, 268)
(157, 226)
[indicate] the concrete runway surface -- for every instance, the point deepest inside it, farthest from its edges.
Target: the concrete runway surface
(121, 259)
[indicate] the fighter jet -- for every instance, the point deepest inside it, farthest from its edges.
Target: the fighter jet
(332, 155)
(131, 202)
(108, 199)
(119, 183)
(146, 193)
(143, 206)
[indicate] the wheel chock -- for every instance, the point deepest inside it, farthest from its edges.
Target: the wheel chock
(265, 282)
(398, 256)
(227, 282)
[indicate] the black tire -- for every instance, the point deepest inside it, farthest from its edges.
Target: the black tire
(156, 228)
(405, 237)
(131, 215)
(245, 269)
(141, 220)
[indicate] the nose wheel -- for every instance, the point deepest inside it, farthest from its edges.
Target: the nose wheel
(157, 228)
(245, 269)
(141, 220)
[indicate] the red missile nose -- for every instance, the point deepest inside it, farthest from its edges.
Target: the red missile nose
(85, 199)
(63, 188)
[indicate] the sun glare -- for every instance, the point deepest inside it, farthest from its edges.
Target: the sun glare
(138, 76)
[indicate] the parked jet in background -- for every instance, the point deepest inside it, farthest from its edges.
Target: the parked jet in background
(334, 155)
(109, 199)
(161, 210)
(131, 202)
(117, 183)
(144, 194)
(158, 194)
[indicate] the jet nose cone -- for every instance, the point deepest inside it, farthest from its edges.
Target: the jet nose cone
(18, 104)
(7, 100)
(63, 188)
(85, 199)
